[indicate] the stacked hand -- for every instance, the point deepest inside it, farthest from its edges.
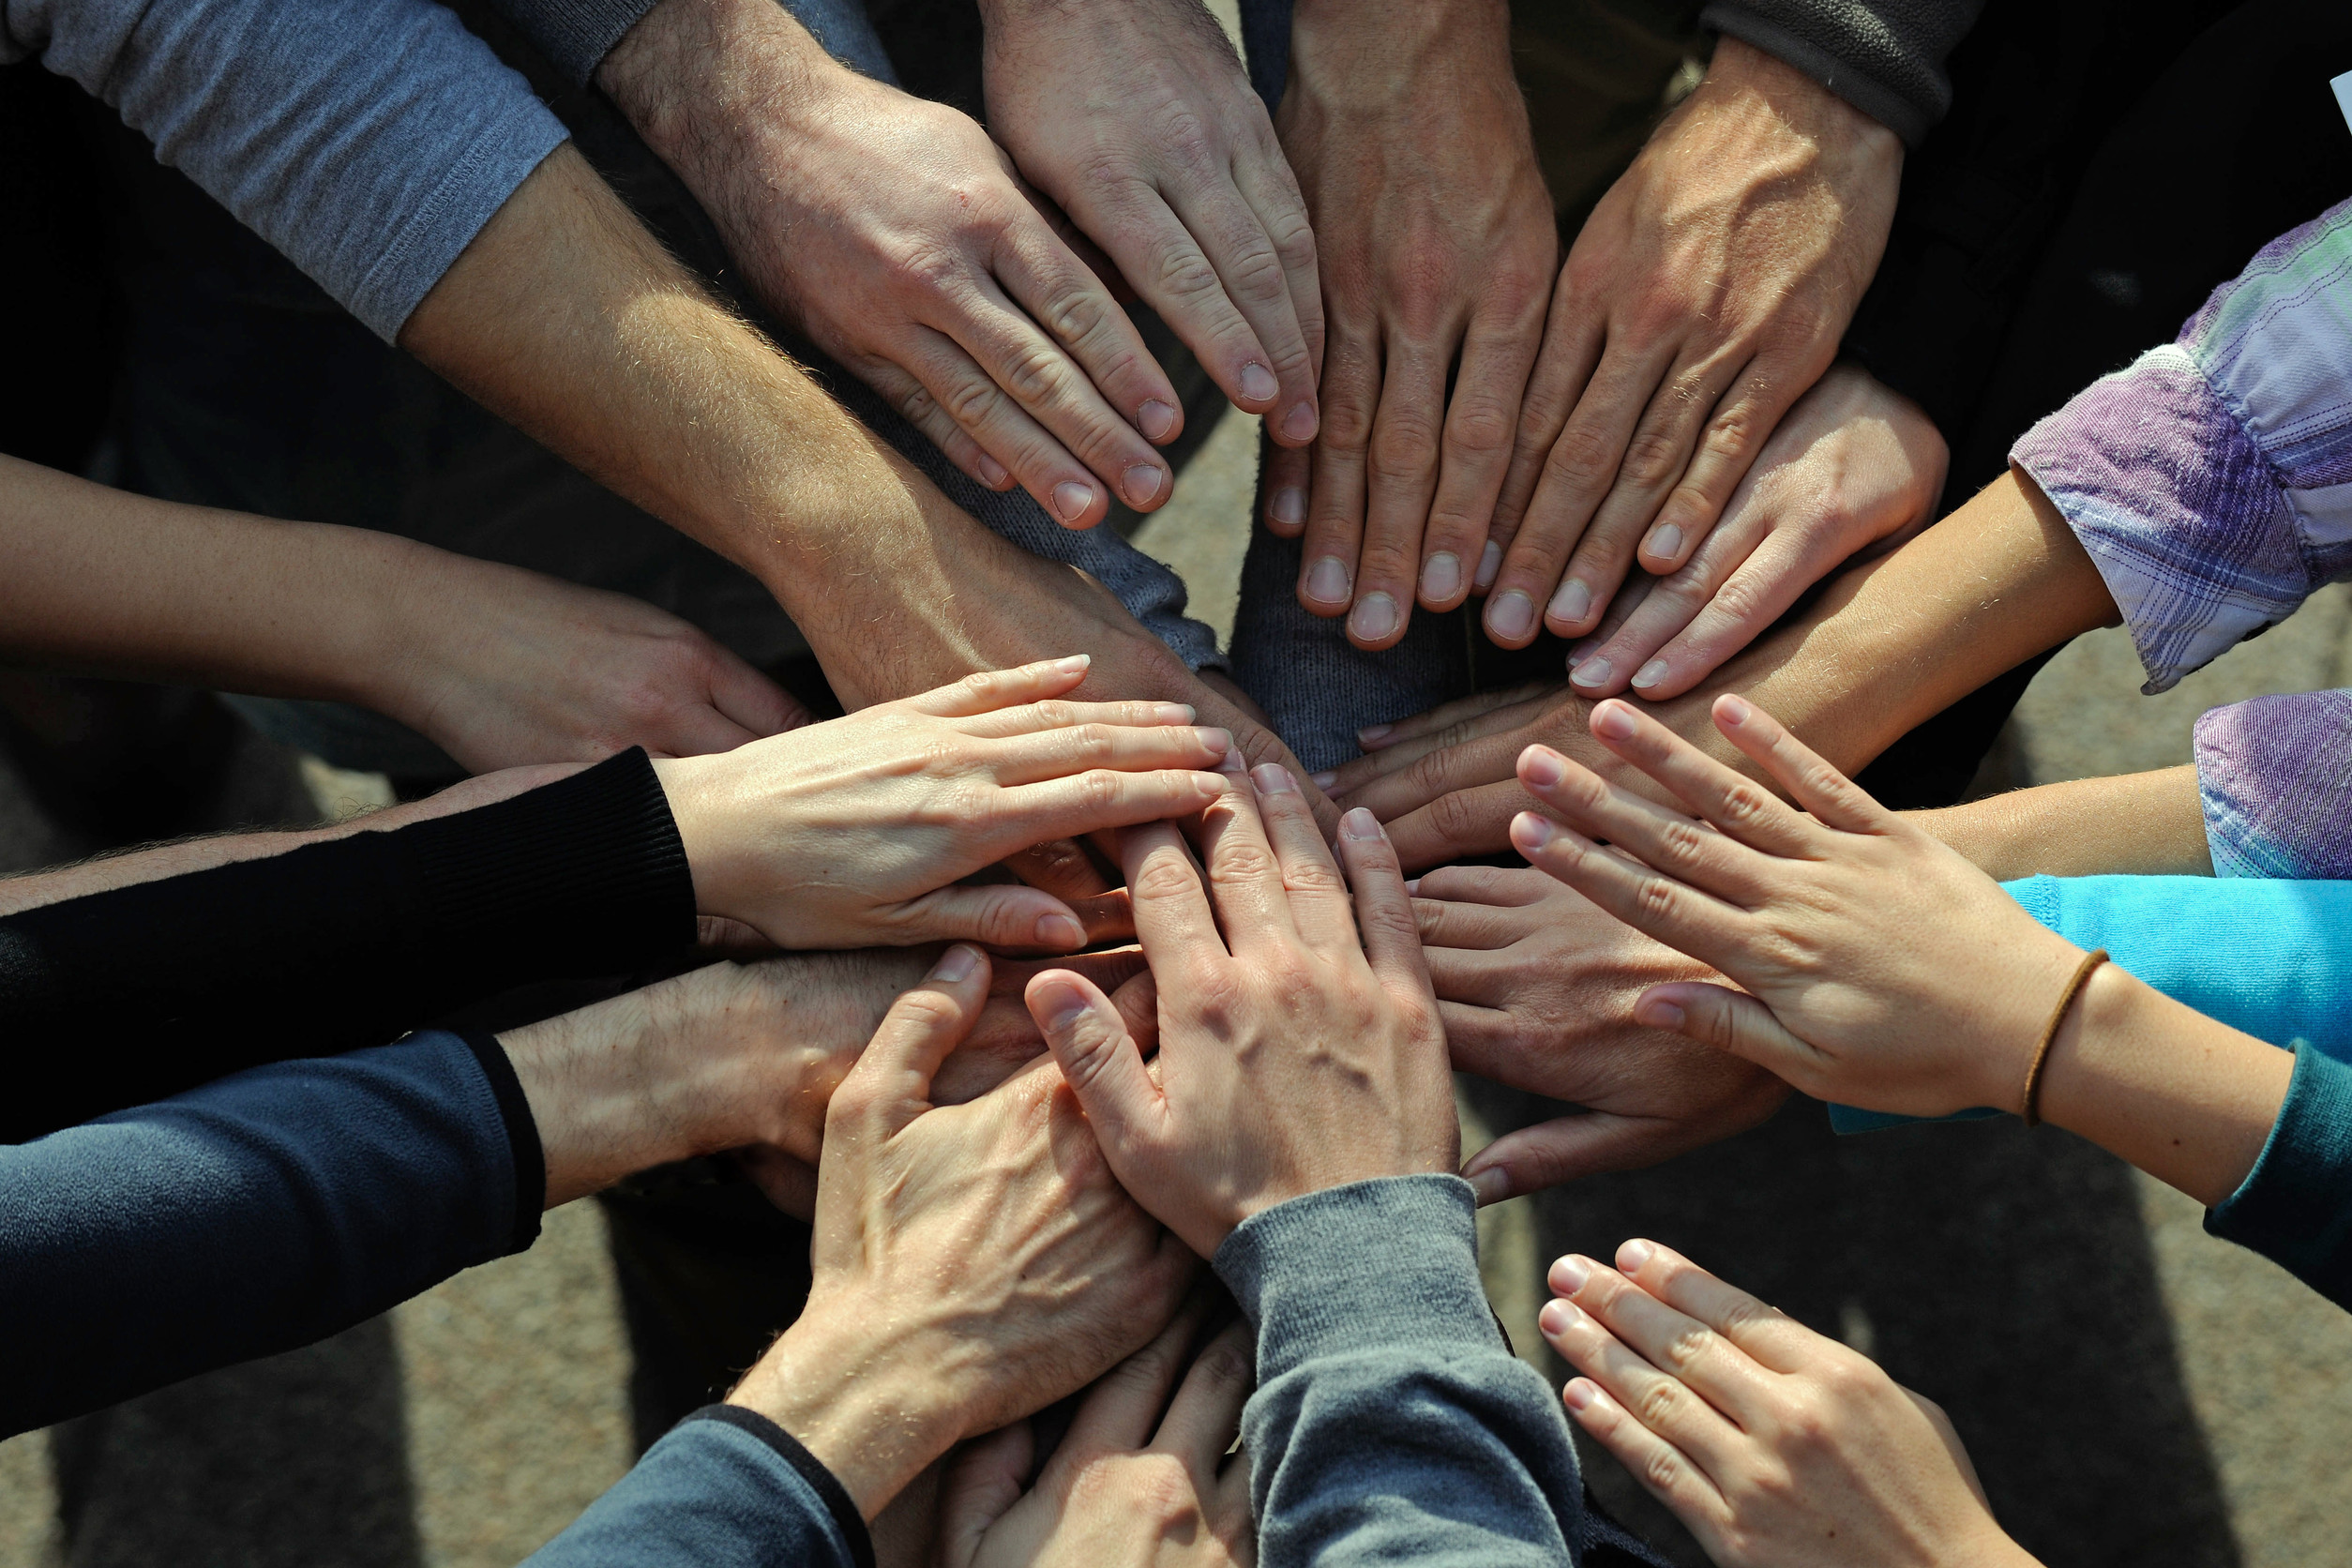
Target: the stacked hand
(1706, 293)
(1299, 1043)
(1057, 1274)
(851, 832)
(1777, 1447)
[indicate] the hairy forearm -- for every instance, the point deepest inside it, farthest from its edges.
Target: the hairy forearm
(2148, 824)
(568, 319)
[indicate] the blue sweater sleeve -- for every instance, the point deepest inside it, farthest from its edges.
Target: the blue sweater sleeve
(257, 1214)
(724, 1488)
(366, 139)
(2271, 959)
(1391, 1424)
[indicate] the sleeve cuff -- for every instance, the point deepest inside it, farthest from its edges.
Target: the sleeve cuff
(576, 35)
(835, 1497)
(1889, 107)
(523, 1136)
(1390, 1261)
(2293, 1208)
(2272, 777)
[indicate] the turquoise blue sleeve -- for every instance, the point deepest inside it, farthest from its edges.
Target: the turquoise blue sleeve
(2272, 958)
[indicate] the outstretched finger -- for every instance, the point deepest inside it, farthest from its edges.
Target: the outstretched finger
(1689, 1350)
(1122, 748)
(987, 690)
(1660, 838)
(1099, 1059)
(1735, 1023)
(1206, 1415)
(1834, 800)
(1246, 881)
(1652, 902)
(1736, 805)
(1391, 935)
(1770, 1336)
(1173, 915)
(1060, 713)
(1319, 906)
(1667, 1473)
(1082, 803)
(891, 1083)
(1121, 1411)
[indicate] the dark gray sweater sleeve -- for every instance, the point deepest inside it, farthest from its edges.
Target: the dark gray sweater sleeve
(1391, 1424)
(1885, 58)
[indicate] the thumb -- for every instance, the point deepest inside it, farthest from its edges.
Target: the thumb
(1732, 1021)
(1099, 1059)
(893, 1076)
(998, 915)
(981, 1488)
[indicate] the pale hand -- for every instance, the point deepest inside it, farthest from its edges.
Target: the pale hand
(1139, 122)
(854, 833)
(1777, 1447)
(1436, 243)
(1295, 1054)
(1706, 293)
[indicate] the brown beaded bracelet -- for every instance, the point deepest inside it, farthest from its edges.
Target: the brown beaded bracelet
(2091, 960)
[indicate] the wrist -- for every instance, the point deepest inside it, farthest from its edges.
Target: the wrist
(1740, 70)
(872, 1404)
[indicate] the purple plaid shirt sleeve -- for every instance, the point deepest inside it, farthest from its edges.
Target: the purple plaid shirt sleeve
(2210, 482)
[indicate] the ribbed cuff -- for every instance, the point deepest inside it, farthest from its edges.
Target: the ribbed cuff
(523, 1135)
(591, 865)
(1388, 1261)
(1889, 107)
(577, 34)
(820, 1480)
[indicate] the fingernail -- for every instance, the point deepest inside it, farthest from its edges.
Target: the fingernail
(1374, 617)
(1511, 615)
(1257, 384)
(1540, 767)
(1288, 507)
(1571, 602)
(1489, 562)
(1632, 1256)
(1659, 1013)
(1071, 499)
(1569, 1274)
(1326, 581)
(1060, 932)
(993, 473)
(1652, 673)
(1373, 734)
(1361, 824)
(1172, 713)
(958, 961)
(1579, 1394)
(1216, 742)
(1324, 779)
(1612, 722)
(1532, 832)
(1492, 1185)
(1663, 543)
(1073, 663)
(1733, 710)
(1274, 779)
(1299, 424)
(1412, 887)
(1592, 671)
(1156, 419)
(1234, 762)
(1441, 576)
(1558, 1317)
(1142, 483)
(1064, 1009)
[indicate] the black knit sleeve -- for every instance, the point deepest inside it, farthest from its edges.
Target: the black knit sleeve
(1885, 58)
(130, 995)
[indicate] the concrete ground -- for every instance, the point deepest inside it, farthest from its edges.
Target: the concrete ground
(2133, 1391)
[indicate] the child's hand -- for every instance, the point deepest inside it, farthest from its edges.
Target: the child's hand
(1772, 1444)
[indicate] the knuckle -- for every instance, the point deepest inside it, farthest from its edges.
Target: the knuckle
(971, 400)
(1163, 877)
(1481, 428)
(1684, 840)
(1185, 275)
(1652, 458)
(1098, 791)
(1688, 1348)
(1657, 894)
(1744, 804)
(1663, 1469)
(1582, 457)
(1456, 816)
(1035, 374)
(1659, 1403)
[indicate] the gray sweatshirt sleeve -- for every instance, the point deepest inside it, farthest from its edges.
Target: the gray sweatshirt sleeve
(1885, 58)
(366, 139)
(1390, 1423)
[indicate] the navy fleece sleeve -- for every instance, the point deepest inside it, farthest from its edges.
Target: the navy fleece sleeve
(2295, 1207)
(1885, 58)
(253, 1216)
(1391, 1424)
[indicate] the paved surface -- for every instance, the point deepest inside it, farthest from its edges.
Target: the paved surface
(2133, 1391)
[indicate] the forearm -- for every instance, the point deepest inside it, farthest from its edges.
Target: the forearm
(632, 372)
(2186, 1099)
(2140, 824)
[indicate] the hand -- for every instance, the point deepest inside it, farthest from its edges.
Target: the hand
(1536, 988)
(1705, 294)
(853, 833)
(1056, 1275)
(893, 234)
(1115, 1491)
(1138, 120)
(1293, 1056)
(1854, 466)
(1435, 241)
(1936, 1010)
(1773, 1445)
(501, 667)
